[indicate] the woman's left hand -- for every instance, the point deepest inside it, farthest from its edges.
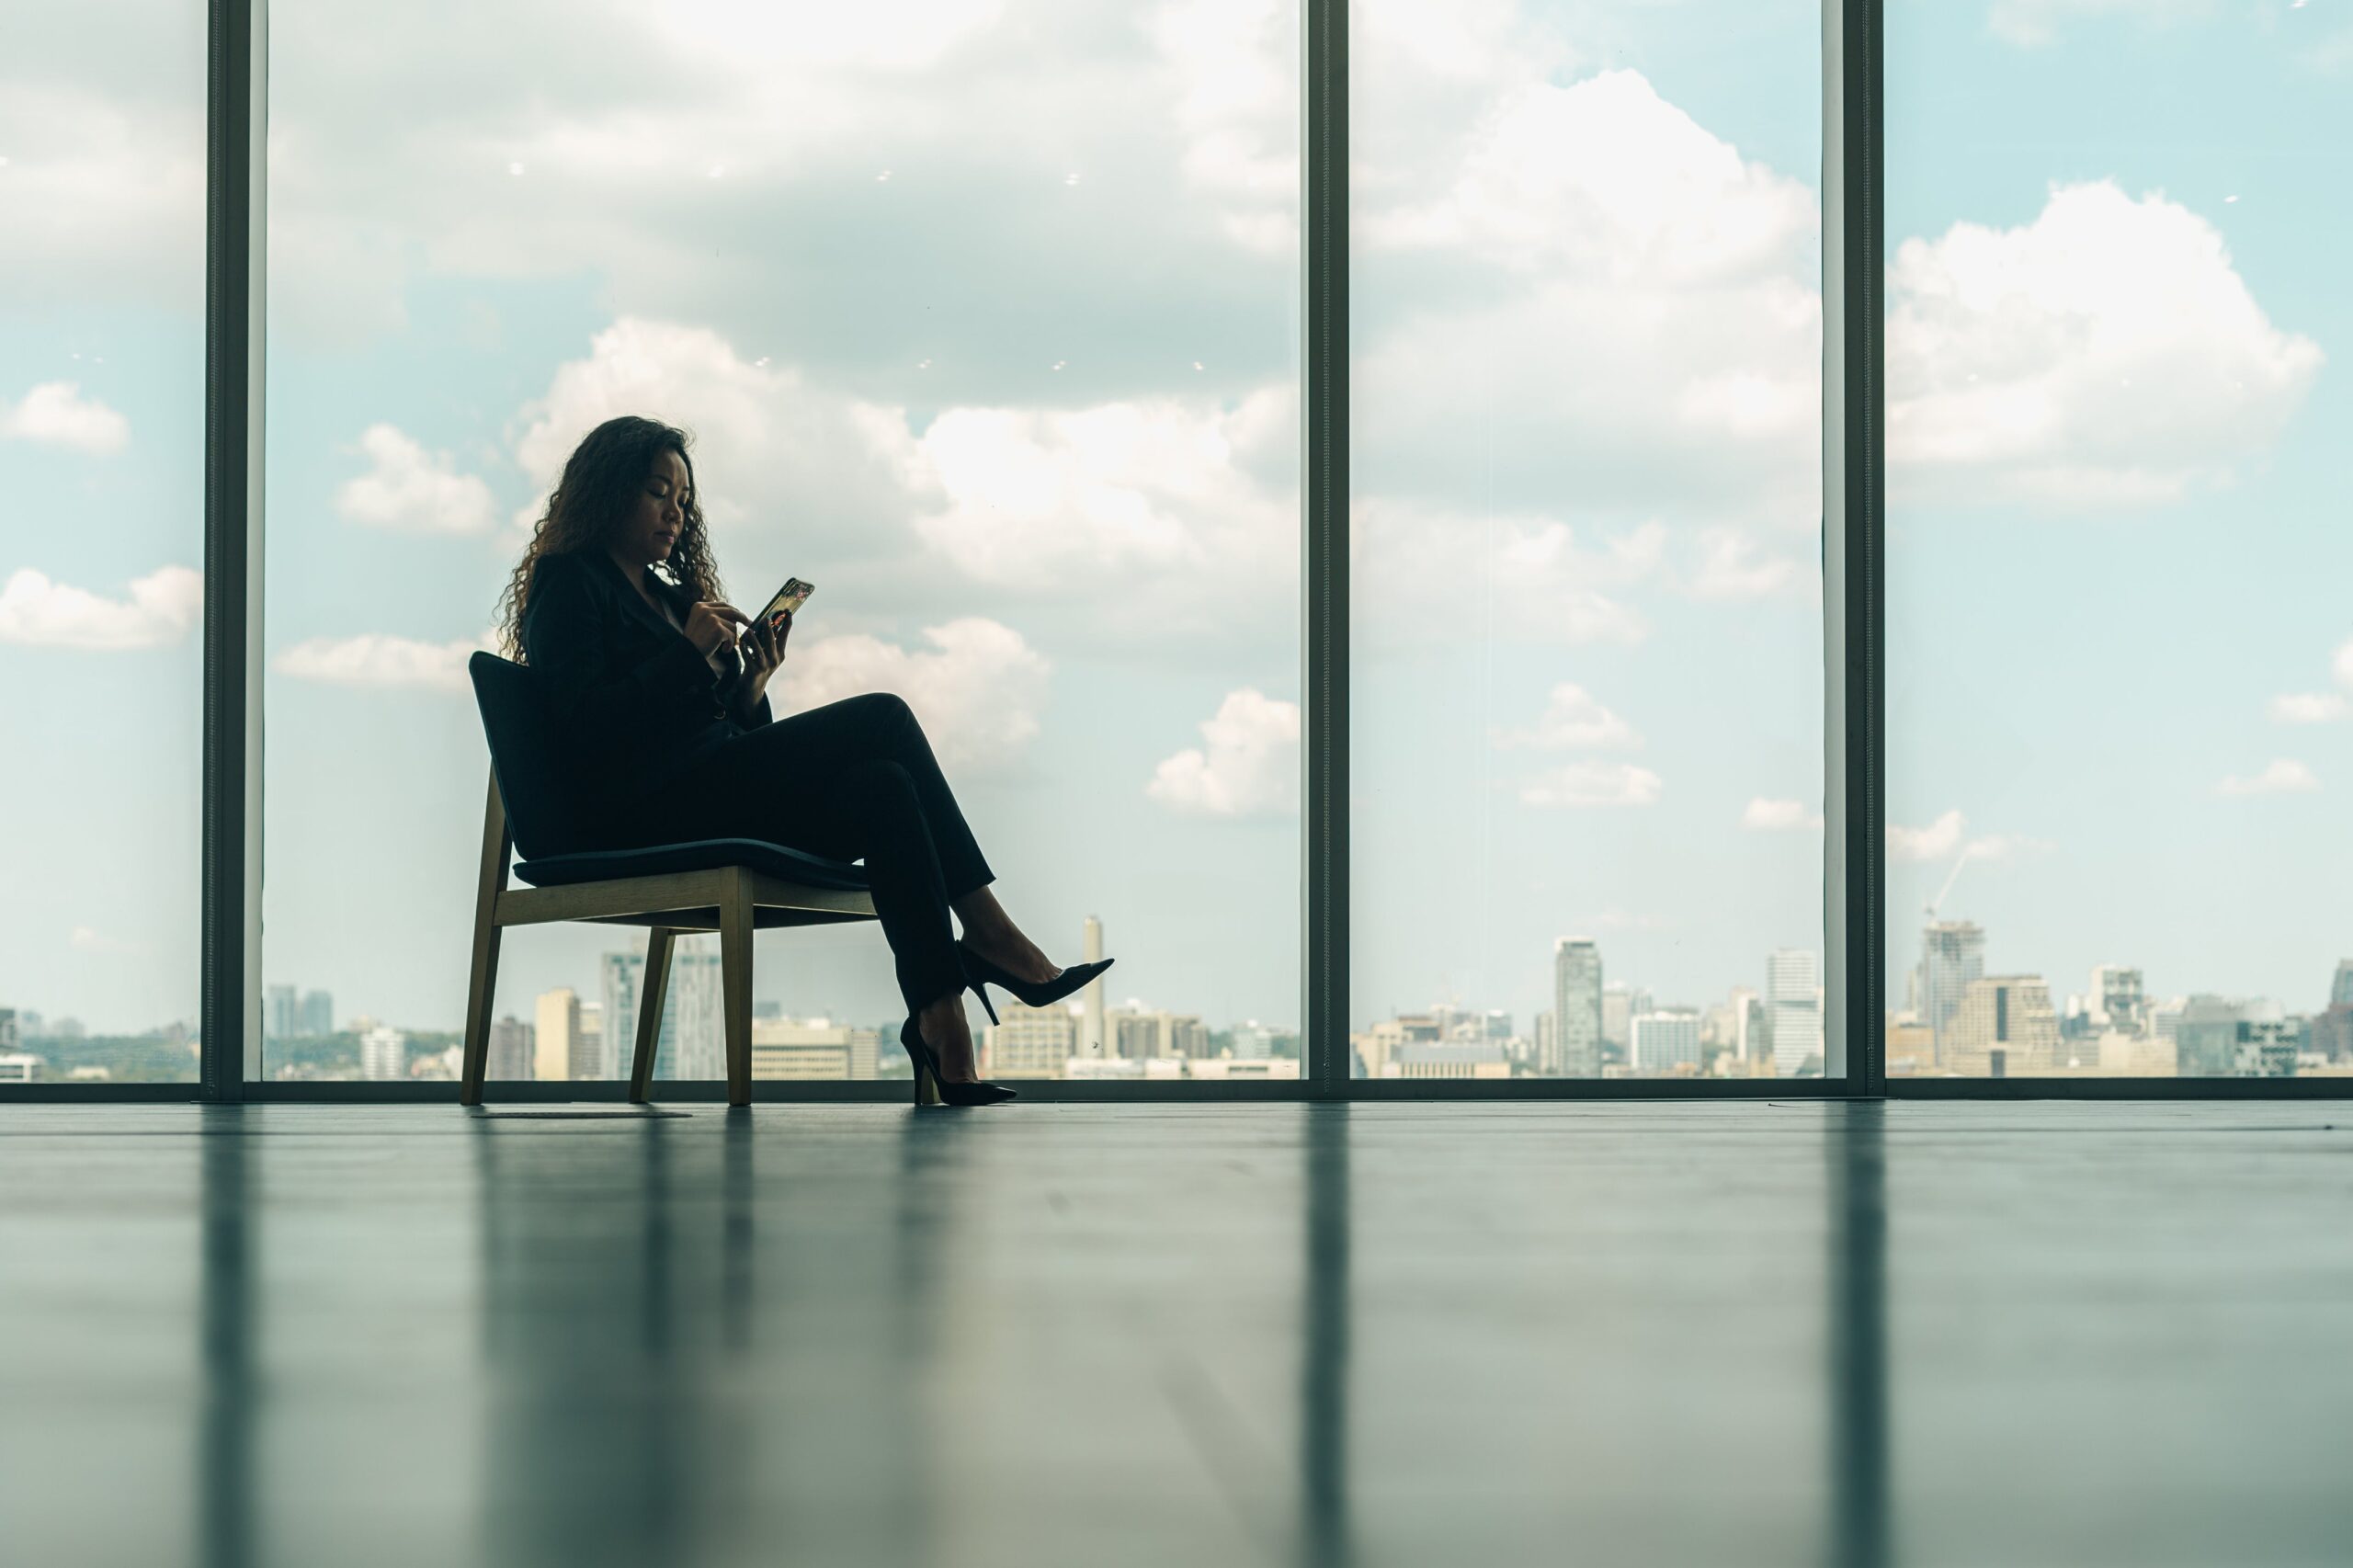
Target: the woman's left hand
(763, 651)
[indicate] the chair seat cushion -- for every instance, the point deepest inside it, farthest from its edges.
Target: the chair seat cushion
(702, 855)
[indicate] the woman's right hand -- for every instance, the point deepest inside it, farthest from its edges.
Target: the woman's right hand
(710, 625)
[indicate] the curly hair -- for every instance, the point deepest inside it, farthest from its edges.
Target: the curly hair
(600, 483)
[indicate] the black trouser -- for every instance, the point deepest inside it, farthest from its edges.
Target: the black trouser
(853, 779)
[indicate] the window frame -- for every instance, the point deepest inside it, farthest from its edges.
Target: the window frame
(1854, 691)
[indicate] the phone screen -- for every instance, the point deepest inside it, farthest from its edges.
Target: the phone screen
(788, 599)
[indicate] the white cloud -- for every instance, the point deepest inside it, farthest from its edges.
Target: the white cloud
(1600, 298)
(2004, 846)
(2107, 353)
(977, 689)
(1429, 574)
(164, 604)
(2342, 665)
(1579, 784)
(1572, 721)
(1155, 520)
(1943, 839)
(56, 412)
(1235, 67)
(771, 451)
(105, 182)
(384, 663)
(1089, 498)
(411, 490)
(1775, 816)
(2031, 24)
(2306, 708)
(90, 939)
(1939, 839)
(1732, 566)
(1247, 765)
(2282, 777)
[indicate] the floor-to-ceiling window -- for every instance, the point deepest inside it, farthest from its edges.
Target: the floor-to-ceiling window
(101, 537)
(985, 319)
(1586, 654)
(2119, 644)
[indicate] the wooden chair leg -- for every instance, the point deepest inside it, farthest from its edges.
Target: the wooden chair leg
(651, 991)
(480, 991)
(735, 912)
(483, 985)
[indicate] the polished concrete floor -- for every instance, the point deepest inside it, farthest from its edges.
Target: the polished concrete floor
(1736, 1334)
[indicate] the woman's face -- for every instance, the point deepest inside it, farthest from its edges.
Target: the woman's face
(650, 527)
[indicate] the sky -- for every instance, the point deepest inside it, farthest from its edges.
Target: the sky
(985, 317)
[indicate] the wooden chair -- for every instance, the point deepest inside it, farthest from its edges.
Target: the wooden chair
(733, 886)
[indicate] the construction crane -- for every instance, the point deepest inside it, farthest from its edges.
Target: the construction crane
(1959, 862)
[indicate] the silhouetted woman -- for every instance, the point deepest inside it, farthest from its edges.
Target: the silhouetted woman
(659, 689)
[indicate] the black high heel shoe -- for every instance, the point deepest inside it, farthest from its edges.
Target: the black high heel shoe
(927, 1073)
(979, 974)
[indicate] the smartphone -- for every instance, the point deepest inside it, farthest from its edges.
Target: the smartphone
(789, 598)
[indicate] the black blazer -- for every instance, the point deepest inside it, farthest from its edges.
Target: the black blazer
(626, 694)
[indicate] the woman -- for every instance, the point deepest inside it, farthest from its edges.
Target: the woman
(660, 688)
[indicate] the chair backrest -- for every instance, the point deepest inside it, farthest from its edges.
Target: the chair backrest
(541, 793)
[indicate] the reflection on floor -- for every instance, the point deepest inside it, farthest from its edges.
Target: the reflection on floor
(1739, 1334)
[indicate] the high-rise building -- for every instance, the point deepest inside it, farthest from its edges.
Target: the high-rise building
(812, 1048)
(1138, 1033)
(693, 1041)
(2116, 1002)
(2222, 1037)
(318, 1014)
(1091, 1040)
(383, 1054)
(589, 1045)
(555, 1034)
(1620, 1005)
(1952, 958)
(2003, 1025)
(282, 1012)
(2332, 1026)
(509, 1057)
(1794, 1001)
(1745, 1037)
(1663, 1041)
(9, 1039)
(1029, 1042)
(1576, 1009)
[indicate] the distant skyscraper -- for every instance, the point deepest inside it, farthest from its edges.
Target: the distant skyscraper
(556, 1034)
(282, 1012)
(2332, 1026)
(693, 1041)
(1659, 1043)
(1747, 1013)
(1090, 1043)
(1030, 1043)
(2222, 1037)
(1793, 999)
(1952, 956)
(589, 1045)
(2004, 1026)
(2116, 1001)
(383, 1054)
(318, 1013)
(1576, 1009)
(509, 1058)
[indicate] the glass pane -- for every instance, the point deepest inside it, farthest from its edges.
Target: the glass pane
(101, 553)
(2119, 665)
(1587, 693)
(984, 320)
